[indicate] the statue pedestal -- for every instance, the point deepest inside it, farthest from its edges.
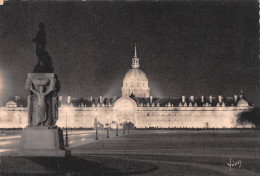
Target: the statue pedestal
(42, 141)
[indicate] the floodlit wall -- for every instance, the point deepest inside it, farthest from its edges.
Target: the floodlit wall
(188, 117)
(15, 117)
(142, 117)
(84, 117)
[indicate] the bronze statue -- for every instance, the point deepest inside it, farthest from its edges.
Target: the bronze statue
(44, 64)
(40, 41)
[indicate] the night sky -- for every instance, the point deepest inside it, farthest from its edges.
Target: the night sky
(185, 47)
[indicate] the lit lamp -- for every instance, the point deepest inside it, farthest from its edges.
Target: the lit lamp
(96, 123)
(122, 125)
(128, 126)
(116, 129)
(20, 120)
(107, 124)
(66, 136)
(1, 120)
(1, 83)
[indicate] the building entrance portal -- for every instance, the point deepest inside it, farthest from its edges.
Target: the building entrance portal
(124, 111)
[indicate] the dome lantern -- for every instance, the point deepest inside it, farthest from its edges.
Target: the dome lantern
(135, 60)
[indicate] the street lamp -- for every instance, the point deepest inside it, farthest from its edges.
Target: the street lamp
(123, 128)
(20, 120)
(66, 136)
(116, 129)
(128, 126)
(1, 120)
(107, 124)
(96, 128)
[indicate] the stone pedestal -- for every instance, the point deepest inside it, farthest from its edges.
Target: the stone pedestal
(42, 141)
(42, 137)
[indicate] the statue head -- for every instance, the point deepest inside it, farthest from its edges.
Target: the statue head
(41, 88)
(41, 25)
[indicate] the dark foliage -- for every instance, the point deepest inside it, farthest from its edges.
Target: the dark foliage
(251, 116)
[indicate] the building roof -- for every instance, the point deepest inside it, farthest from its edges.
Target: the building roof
(162, 102)
(20, 101)
(175, 101)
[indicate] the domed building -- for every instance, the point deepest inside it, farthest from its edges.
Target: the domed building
(135, 81)
(137, 106)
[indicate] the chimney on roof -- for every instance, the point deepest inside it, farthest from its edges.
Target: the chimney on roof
(183, 99)
(68, 99)
(151, 99)
(17, 98)
(202, 99)
(192, 98)
(91, 98)
(100, 99)
(235, 98)
(210, 99)
(220, 99)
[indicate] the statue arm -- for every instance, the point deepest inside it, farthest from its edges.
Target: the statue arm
(34, 91)
(52, 86)
(47, 92)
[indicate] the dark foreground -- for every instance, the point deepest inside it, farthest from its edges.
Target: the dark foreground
(155, 153)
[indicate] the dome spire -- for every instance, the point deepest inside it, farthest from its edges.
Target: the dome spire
(135, 60)
(135, 51)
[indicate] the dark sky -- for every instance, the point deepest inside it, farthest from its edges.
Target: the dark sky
(185, 48)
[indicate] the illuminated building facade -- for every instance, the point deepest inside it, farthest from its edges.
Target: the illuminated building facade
(137, 106)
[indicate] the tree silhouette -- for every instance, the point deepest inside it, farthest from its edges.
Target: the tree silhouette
(128, 126)
(251, 116)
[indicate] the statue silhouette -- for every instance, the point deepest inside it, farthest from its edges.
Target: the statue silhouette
(44, 64)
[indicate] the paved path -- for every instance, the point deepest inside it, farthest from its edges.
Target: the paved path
(10, 142)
